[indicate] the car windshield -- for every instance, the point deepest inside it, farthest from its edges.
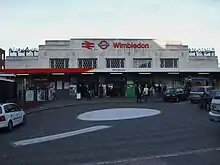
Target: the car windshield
(171, 90)
(215, 93)
(197, 89)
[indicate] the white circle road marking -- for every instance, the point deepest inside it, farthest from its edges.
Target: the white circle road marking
(58, 136)
(117, 114)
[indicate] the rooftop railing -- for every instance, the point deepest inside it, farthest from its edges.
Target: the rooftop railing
(23, 52)
(202, 52)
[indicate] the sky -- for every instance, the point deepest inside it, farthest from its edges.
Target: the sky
(28, 23)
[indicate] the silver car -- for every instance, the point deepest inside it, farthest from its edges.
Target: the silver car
(196, 93)
(214, 114)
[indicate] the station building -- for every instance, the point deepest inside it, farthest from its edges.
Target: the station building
(70, 64)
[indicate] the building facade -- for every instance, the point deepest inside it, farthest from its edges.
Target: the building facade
(119, 63)
(105, 55)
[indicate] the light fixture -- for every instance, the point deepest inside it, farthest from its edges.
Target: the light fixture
(115, 73)
(87, 73)
(7, 75)
(173, 73)
(58, 74)
(22, 74)
(145, 73)
(6, 79)
(203, 73)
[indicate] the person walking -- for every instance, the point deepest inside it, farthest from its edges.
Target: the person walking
(139, 93)
(146, 93)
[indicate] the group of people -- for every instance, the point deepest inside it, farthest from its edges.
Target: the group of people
(143, 93)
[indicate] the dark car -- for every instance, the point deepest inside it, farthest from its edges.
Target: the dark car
(174, 94)
(206, 99)
(197, 91)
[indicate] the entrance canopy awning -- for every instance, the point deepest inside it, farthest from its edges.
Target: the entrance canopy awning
(109, 70)
(44, 70)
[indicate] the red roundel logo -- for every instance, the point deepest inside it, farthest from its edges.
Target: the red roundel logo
(103, 44)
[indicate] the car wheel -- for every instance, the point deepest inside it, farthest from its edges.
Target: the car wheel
(10, 126)
(191, 101)
(24, 121)
(177, 99)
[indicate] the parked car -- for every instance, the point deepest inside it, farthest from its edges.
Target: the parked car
(197, 92)
(11, 115)
(174, 94)
(214, 114)
(206, 99)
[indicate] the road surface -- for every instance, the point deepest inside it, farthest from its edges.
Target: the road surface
(180, 135)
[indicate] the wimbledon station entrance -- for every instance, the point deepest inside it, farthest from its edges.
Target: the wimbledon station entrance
(43, 84)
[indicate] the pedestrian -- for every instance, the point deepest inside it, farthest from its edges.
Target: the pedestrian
(139, 93)
(88, 93)
(101, 91)
(146, 93)
(152, 90)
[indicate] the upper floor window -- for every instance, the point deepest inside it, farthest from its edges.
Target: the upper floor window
(87, 63)
(168, 63)
(59, 63)
(142, 63)
(115, 63)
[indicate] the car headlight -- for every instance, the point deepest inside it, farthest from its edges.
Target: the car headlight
(213, 107)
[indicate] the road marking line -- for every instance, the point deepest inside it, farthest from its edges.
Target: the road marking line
(58, 136)
(162, 156)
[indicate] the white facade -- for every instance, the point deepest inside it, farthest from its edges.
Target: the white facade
(127, 49)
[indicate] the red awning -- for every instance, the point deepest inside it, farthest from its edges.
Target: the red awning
(45, 70)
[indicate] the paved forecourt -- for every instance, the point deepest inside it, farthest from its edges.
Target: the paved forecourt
(115, 133)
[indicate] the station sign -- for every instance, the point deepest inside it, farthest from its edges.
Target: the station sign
(128, 45)
(103, 44)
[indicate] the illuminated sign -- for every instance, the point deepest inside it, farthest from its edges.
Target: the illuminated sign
(202, 51)
(130, 45)
(103, 44)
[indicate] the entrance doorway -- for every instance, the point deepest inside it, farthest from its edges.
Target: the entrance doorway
(90, 81)
(115, 85)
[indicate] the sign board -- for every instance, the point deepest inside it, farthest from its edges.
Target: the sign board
(103, 44)
(119, 70)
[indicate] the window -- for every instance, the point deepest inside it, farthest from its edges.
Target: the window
(0, 110)
(115, 63)
(197, 89)
(59, 63)
(171, 90)
(179, 91)
(87, 63)
(142, 63)
(9, 108)
(16, 107)
(168, 63)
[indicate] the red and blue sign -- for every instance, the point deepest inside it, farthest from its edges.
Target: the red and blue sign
(103, 44)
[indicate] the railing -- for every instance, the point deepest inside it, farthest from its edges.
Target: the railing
(202, 52)
(23, 52)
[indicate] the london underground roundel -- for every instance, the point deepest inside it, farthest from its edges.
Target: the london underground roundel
(103, 44)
